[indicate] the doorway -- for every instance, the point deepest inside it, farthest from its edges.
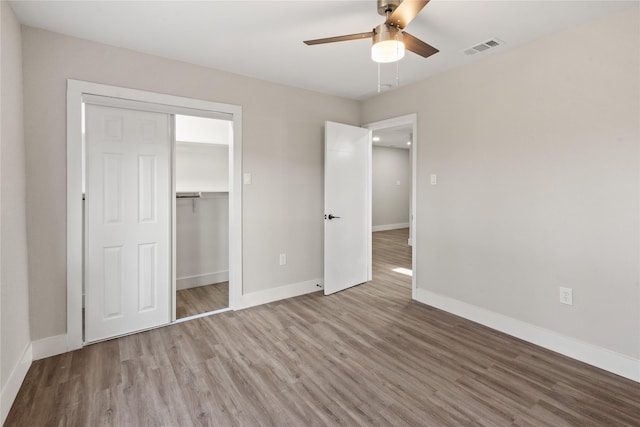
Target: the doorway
(349, 148)
(79, 93)
(202, 215)
(393, 176)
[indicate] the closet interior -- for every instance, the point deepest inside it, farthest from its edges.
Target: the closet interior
(201, 215)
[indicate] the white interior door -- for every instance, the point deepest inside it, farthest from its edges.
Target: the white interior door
(127, 222)
(347, 204)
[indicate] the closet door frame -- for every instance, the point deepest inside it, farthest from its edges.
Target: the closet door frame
(79, 92)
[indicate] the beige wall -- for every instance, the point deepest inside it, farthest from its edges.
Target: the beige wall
(536, 152)
(282, 149)
(390, 201)
(13, 235)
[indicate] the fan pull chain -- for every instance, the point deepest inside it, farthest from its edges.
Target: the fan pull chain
(397, 77)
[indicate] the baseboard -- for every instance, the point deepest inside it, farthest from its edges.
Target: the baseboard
(201, 280)
(390, 227)
(50, 346)
(620, 364)
(14, 382)
(282, 292)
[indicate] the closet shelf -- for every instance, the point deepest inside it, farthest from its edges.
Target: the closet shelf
(197, 194)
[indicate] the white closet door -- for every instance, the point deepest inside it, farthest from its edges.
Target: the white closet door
(127, 222)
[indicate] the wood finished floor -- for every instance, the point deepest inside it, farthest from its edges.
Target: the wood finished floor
(366, 356)
(202, 299)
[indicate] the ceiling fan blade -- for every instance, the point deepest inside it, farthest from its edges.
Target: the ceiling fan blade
(416, 45)
(405, 13)
(340, 38)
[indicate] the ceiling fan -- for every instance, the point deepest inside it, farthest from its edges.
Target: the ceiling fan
(389, 39)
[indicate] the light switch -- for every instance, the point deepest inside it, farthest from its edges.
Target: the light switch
(247, 178)
(398, 182)
(434, 179)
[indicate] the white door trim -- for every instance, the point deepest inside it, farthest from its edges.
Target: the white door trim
(75, 91)
(409, 119)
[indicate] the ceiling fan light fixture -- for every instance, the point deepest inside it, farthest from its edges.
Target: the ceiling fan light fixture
(387, 44)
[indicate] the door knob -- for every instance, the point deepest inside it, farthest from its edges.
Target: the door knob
(331, 216)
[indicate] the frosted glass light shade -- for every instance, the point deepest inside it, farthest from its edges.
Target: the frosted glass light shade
(387, 51)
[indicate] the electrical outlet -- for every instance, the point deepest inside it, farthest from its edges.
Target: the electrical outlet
(566, 296)
(433, 178)
(283, 259)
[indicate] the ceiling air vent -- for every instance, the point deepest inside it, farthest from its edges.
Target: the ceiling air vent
(489, 44)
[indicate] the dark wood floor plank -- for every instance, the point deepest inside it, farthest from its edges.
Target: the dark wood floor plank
(366, 356)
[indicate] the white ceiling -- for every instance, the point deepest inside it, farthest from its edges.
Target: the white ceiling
(395, 136)
(263, 39)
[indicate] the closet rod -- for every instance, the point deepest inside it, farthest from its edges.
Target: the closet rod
(192, 195)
